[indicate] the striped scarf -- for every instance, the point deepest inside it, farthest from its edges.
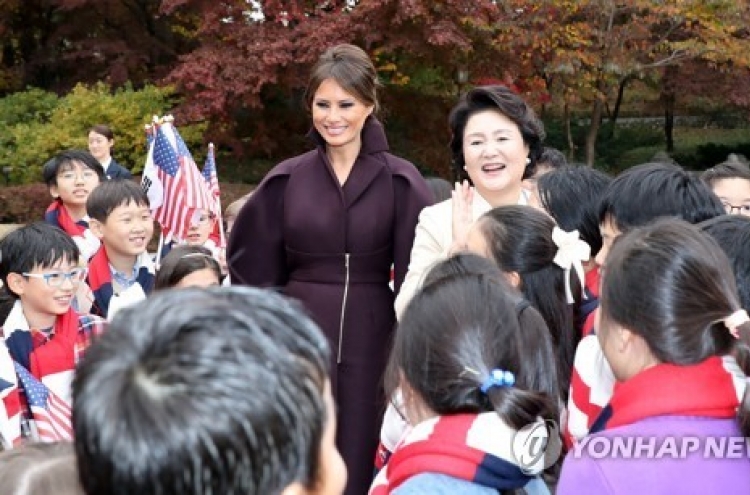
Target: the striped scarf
(713, 388)
(471, 447)
(36, 372)
(99, 279)
(58, 216)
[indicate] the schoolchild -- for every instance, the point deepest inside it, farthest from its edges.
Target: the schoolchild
(545, 263)
(70, 177)
(571, 195)
(730, 181)
(732, 234)
(635, 198)
(197, 391)
(40, 469)
(476, 384)
(43, 336)
(188, 266)
(122, 271)
(672, 329)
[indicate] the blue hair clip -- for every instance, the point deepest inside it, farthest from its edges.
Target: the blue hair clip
(498, 378)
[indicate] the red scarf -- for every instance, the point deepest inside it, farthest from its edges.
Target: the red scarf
(713, 388)
(99, 279)
(57, 214)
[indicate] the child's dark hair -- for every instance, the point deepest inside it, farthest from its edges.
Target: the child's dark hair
(440, 188)
(197, 391)
(182, 261)
(730, 169)
(732, 234)
(464, 326)
(519, 239)
(113, 193)
(673, 286)
(465, 264)
(552, 158)
(40, 469)
(651, 190)
(38, 245)
(505, 102)
(64, 161)
(571, 196)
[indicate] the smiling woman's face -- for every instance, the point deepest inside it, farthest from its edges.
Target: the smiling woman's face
(494, 153)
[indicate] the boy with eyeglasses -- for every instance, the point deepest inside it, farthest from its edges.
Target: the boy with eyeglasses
(121, 273)
(70, 177)
(44, 337)
(730, 181)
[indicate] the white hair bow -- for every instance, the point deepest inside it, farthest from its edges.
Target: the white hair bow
(571, 253)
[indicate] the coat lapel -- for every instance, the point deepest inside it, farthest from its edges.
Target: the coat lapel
(370, 162)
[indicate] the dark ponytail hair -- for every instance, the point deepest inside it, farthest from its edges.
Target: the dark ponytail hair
(519, 239)
(673, 286)
(464, 326)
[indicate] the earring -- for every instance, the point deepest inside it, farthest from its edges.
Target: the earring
(464, 167)
(528, 161)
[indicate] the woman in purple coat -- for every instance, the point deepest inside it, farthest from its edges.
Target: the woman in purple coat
(325, 228)
(673, 331)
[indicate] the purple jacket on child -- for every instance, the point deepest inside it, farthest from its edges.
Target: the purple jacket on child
(661, 469)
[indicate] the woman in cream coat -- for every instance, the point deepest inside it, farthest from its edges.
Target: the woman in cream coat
(496, 142)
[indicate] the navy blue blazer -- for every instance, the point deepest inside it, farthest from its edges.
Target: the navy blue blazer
(117, 171)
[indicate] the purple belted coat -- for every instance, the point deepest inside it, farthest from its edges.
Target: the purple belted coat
(332, 247)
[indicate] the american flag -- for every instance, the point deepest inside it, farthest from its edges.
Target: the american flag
(51, 414)
(173, 183)
(10, 414)
(211, 177)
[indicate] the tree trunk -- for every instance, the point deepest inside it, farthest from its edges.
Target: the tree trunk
(596, 121)
(669, 97)
(569, 132)
(618, 102)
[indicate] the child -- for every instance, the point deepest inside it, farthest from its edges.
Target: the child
(473, 387)
(70, 177)
(461, 264)
(732, 233)
(669, 323)
(231, 212)
(122, 271)
(188, 266)
(635, 198)
(40, 469)
(43, 336)
(545, 264)
(730, 181)
(201, 228)
(197, 391)
(571, 195)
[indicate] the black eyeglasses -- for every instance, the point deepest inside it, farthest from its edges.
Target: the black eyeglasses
(56, 279)
(741, 209)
